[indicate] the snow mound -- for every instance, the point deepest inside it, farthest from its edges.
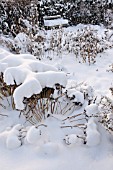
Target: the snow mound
(33, 135)
(3, 53)
(17, 127)
(13, 141)
(37, 66)
(72, 139)
(50, 78)
(12, 75)
(3, 137)
(93, 137)
(91, 124)
(92, 109)
(50, 148)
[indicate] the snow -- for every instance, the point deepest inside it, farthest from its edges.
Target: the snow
(93, 137)
(110, 116)
(55, 22)
(91, 125)
(33, 135)
(50, 78)
(49, 150)
(76, 95)
(12, 75)
(27, 89)
(37, 66)
(21, 42)
(30, 74)
(72, 139)
(87, 90)
(12, 142)
(91, 109)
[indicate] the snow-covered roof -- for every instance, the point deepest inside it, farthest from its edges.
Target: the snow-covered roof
(55, 22)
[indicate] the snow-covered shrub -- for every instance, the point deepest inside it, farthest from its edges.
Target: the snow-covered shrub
(88, 46)
(21, 43)
(53, 43)
(78, 93)
(26, 42)
(34, 90)
(7, 43)
(84, 43)
(106, 113)
(30, 82)
(87, 128)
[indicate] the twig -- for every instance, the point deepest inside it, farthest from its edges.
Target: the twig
(3, 115)
(41, 125)
(73, 126)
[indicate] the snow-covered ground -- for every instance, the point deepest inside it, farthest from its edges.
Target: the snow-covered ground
(50, 146)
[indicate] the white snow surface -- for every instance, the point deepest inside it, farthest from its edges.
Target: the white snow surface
(52, 153)
(12, 141)
(93, 135)
(33, 135)
(92, 109)
(72, 139)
